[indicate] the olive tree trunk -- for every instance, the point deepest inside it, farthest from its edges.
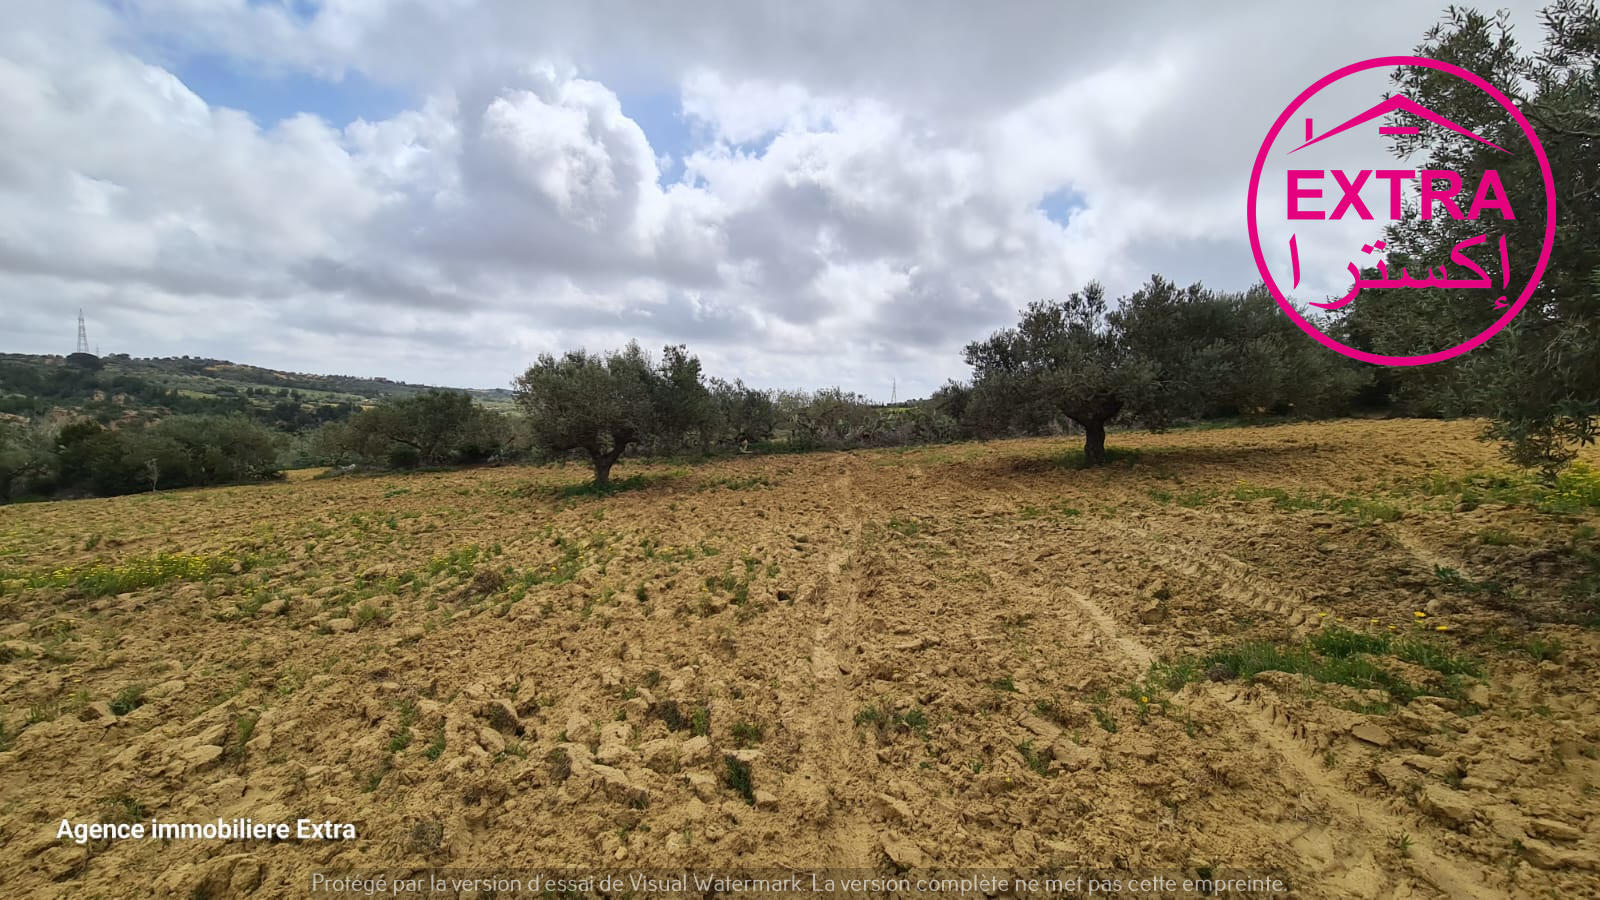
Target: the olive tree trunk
(1094, 442)
(603, 463)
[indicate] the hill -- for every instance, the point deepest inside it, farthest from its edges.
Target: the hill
(120, 386)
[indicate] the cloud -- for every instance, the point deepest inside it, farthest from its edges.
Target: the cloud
(860, 194)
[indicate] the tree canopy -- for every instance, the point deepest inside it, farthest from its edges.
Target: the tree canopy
(602, 404)
(1163, 352)
(433, 428)
(1539, 378)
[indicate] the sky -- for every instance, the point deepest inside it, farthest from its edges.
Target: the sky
(807, 195)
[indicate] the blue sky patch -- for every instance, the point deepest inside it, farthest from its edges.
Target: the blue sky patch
(1059, 205)
(660, 117)
(270, 98)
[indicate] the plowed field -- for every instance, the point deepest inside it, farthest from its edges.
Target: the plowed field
(1360, 655)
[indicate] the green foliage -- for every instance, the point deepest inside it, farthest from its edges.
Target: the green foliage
(122, 808)
(1339, 655)
(1162, 353)
(883, 719)
(1363, 509)
(1497, 537)
(1538, 379)
(434, 428)
(602, 405)
(907, 527)
(1342, 642)
(1033, 758)
(120, 389)
(1541, 648)
(1573, 490)
(1254, 657)
(593, 489)
(399, 740)
(747, 733)
(831, 417)
(27, 458)
(180, 451)
(1437, 657)
(435, 748)
(102, 579)
(736, 775)
(742, 414)
(127, 700)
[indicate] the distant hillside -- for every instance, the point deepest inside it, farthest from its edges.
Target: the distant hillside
(119, 386)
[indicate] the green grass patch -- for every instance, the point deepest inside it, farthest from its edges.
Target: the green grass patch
(907, 527)
(1573, 490)
(883, 719)
(435, 748)
(1437, 657)
(1461, 584)
(460, 562)
(1497, 537)
(127, 700)
(101, 579)
(747, 733)
(1254, 657)
(1033, 758)
(1541, 648)
(736, 776)
(1338, 655)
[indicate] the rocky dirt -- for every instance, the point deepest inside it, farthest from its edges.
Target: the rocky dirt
(950, 657)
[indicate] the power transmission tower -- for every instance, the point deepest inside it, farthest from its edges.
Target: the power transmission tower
(894, 390)
(83, 334)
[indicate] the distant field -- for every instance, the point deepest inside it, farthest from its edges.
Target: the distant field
(1360, 654)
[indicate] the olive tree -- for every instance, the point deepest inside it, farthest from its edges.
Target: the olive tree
(1063, 357)
(433, 428)
(602, 404)
(744, 414)
(1163, 352)
(27, 457)
(1538, 380)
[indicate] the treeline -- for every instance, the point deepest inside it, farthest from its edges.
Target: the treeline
(1158, 356)
(603, 406)
(86, 458)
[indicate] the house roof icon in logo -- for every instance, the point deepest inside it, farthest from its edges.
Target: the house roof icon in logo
(1397, 102)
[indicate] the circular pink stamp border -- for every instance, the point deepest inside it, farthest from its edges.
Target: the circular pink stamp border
(1550, 211)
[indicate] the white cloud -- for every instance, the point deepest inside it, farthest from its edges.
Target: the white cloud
(858, 199)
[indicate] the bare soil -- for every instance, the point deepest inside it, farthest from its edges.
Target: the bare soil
(951, 657)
